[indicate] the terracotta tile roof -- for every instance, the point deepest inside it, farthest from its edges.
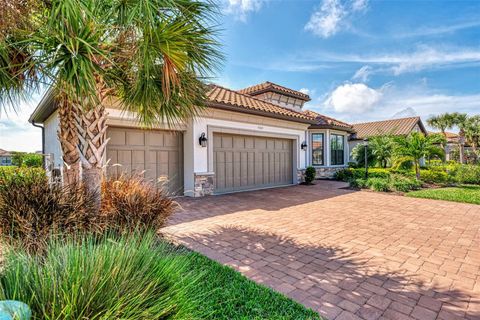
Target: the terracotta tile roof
(451, 137)
(324, 121)
(270, 86)
(223, 97)
(402, 126)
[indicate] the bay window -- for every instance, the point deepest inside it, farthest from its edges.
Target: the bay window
(337, 147)
(317, 149)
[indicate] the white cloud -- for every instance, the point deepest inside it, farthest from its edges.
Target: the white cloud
(353, 98)
(362, 74)
(423, 57)
(305, 90)
(331, 16)
(437, 30)
(241, 8)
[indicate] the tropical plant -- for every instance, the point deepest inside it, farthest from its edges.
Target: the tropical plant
(417, 146)
(382, 149)
(149, 55)
(471, 131)
(442, 122)
(358, 153)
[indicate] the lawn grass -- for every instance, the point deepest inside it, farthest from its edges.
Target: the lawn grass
(230, 295)
(464, 193)
(135, 277)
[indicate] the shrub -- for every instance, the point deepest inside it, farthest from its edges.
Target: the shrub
(403, 164)
(379, 184)
(434, 176)
(33, 160)
(31, 210)
(404, 184)
(10, 174)
(468, 174)
(130, 202)
(133, 277)
(358, 183)
(310, 174)
(344, 175)
(352, 165)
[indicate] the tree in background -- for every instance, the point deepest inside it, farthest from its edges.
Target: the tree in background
(358, 153)
(442, 122)
(417, 146)
(151, 56)
(24, 159)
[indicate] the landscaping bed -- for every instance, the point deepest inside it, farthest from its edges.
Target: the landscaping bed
(451, 182)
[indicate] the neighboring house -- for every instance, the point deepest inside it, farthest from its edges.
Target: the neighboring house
(395, 127)
(453, 145)
(5, 158)
(257, 137)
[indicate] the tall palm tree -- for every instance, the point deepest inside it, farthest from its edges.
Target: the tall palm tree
(151, 55)
(442, 122)
(472, 133)
(461, 121)
(417, 146)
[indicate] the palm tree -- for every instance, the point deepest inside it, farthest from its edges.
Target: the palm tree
(382, 149)
(151, 55)
(442, 122)
(472, 133)
(417, 146)
(461, 121)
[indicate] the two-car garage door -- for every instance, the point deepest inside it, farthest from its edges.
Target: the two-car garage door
(240, 162)
(244, 162)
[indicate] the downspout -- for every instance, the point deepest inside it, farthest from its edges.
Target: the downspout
(43, 141)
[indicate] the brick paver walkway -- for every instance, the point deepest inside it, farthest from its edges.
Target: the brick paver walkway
(346, 254)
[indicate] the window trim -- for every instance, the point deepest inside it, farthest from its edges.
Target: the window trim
(323, 149)
(333, 154)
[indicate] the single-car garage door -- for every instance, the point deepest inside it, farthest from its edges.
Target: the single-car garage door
(251, 162)
(157, 153)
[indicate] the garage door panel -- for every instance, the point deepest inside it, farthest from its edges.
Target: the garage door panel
(137, 150)
(246, 162)
(135, 138)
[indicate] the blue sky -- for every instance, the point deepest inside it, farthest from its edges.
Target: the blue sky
(359, 60)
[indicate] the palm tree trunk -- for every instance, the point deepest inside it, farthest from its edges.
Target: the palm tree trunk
(417, 169)
(93, 141)
(68, 137)
(461, 142)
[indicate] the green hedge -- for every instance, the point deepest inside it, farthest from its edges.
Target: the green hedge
(11, 175)
(350, 174)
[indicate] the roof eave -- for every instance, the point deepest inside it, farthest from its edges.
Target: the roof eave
(229, 107)
(44, 109)
(328, 126)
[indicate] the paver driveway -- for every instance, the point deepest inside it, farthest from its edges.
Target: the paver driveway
(346, 254)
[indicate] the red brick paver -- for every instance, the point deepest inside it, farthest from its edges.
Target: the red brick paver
(346, 254)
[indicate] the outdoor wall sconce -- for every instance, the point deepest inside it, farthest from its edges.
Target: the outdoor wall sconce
(304, 146)
(203, 140)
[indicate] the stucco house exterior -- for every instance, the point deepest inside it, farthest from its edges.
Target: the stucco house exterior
(257, 137)
(395, 127)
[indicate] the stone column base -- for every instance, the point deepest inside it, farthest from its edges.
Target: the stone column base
(204, 185)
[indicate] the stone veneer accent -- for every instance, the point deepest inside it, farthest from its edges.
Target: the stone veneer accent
(204, 185)
(322, 173)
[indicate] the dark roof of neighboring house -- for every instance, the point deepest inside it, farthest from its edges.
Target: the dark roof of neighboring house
(398, 127)
(5, 153)
(270, 86)
(223, 98)
(327, 122)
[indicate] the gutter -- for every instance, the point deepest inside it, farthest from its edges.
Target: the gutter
(43, 141)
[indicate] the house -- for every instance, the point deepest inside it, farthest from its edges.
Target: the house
(5, 158)
(453, 145)
(257, 137)
(395, 127)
